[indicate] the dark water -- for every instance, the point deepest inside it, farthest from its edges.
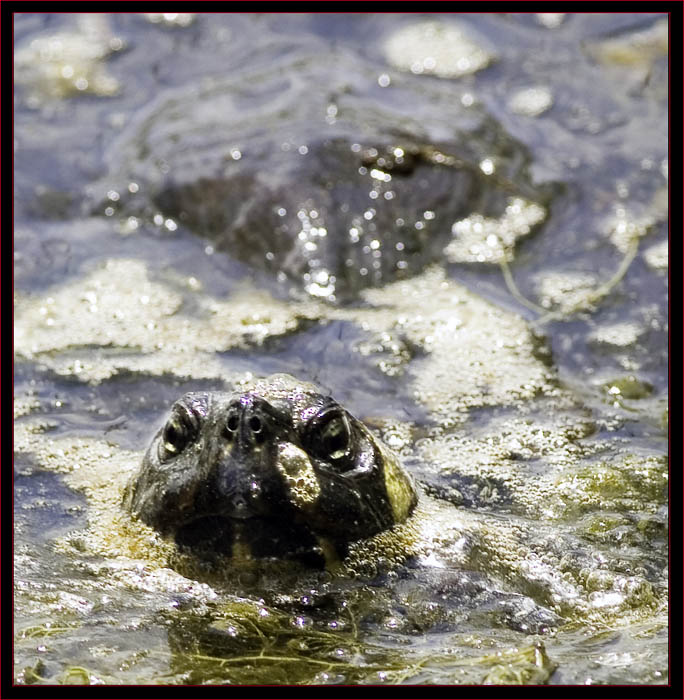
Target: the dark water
(520, 373)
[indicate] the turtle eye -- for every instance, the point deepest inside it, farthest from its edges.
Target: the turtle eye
(180, 430)
(330, 436)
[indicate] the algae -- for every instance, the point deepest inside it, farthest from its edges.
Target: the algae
(68, 63)
(444, 49)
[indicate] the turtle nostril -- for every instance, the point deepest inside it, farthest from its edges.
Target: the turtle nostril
(255, 424)
(233, 422)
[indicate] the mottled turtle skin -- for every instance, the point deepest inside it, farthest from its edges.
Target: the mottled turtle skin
(275, 471)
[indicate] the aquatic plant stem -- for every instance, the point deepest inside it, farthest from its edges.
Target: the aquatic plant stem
(513, 288)
(591, 298)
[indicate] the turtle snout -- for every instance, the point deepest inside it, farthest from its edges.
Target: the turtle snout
(247, 423)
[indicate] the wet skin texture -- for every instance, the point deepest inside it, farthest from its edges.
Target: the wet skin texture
(277, 471)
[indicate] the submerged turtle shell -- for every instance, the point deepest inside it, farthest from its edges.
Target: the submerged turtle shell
(316, 182)
(279, 471)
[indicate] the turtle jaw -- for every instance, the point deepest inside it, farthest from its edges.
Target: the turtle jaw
(246, 539)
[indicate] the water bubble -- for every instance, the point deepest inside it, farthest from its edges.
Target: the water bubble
(487, 166)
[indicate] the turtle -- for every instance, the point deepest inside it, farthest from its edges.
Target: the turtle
(274, 471)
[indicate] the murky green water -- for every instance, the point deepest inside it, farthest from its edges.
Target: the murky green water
(457, 225)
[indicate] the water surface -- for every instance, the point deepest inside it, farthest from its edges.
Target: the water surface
(197, 201)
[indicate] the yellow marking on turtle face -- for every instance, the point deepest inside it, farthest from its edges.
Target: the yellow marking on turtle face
(298, 474)
(400, 488)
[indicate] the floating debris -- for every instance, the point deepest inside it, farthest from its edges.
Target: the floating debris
(618, 335)
(637, 49)
(657, 256)
(527, 666)
(171, 19)
(624, 228)
(69, 63)
(565, 291)
(436, 48)
(479, 355)
(531, 102)
(485, 240)
(550, 20)
(117, 317)
(629, 387)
